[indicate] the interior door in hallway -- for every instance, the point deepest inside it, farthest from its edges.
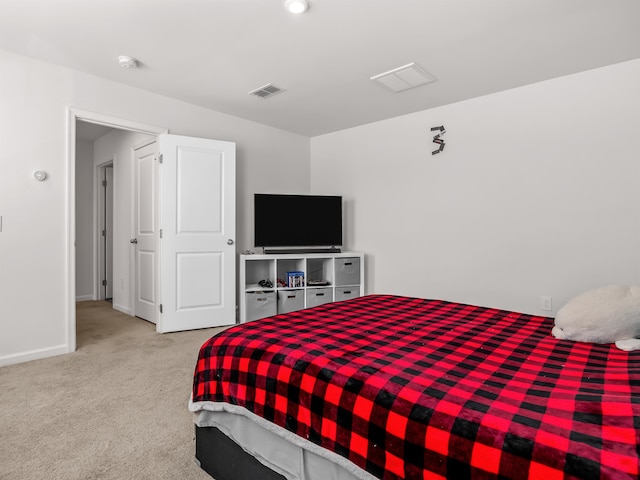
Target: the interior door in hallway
(146, 232)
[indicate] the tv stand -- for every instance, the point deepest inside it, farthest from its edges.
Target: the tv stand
(284, 282)
(275, 251)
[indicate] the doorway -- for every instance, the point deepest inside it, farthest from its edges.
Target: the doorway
(101, 263)
(197, 257)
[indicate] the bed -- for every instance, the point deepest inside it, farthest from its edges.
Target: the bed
(392, 387)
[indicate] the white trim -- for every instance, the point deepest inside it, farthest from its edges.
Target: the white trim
(85, 298)
(70, 240)
(122, 309)
(115, 122)
(73, 115)
(97, 218)
(34, 354)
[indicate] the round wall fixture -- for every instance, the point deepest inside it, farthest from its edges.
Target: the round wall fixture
(40, 175)
(296, 6)
(127, 62)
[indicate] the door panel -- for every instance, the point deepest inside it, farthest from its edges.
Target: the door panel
(199, 280)
(198, 220)
(199, 207)
(146, 288)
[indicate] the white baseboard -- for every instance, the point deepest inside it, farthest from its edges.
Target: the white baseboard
(85, 298)
(122, 309)
(33, 355)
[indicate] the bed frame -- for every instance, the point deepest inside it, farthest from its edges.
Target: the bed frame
(224, 459)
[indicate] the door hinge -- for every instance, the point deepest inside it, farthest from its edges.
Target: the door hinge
(160, 308)
(161, 233)
(104, 183)
(104, 283)
(160, 158)
(104, 233)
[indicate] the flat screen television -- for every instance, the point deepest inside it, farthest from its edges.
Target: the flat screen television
(311, 222)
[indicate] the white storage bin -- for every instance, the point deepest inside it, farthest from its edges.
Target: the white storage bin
(318, 296)
(345, 293)
(260, 305)
(348, 271)
(290, 300)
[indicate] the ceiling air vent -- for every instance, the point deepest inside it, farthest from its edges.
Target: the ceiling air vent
(404, 78)
(266, 91)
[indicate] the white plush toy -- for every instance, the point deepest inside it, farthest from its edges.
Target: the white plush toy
(604, 315)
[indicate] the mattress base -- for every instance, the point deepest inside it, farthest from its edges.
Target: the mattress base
(224, 459)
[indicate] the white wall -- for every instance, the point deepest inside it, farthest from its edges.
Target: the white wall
(84, 220)
(34, 97)
(536, 193)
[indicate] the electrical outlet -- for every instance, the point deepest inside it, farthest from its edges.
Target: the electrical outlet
(546, 303)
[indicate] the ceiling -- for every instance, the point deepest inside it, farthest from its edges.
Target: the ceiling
(213, 52)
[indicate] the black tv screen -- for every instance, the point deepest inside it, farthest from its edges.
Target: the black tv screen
(297, 220)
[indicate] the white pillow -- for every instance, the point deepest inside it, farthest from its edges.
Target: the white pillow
(604, 315)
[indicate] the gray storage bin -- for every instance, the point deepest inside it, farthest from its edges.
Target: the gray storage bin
(345, 293)
(318, 296)
(260, 305)
(290, 300)
(348, 271)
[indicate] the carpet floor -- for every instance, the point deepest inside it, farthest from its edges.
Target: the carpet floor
(114, 409)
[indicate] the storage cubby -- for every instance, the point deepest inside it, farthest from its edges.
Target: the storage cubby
(284, 266)
(347, 271)
(290, 300)
(260, 305)
(256, 272)
(318, 296)
(325, 277)
(319, 270)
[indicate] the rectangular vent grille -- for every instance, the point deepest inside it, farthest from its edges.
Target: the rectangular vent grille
(266, 91)
(404, 78)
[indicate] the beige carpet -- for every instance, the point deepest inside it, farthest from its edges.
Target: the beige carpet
(114, 409)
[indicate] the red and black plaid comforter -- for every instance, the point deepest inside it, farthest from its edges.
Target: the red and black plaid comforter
(412, 388)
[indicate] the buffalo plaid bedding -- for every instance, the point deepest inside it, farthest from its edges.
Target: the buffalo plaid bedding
(413, 388)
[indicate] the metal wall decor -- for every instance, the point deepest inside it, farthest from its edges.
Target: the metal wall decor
(437, 140)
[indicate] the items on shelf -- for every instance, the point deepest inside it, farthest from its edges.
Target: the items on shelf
(295, 279)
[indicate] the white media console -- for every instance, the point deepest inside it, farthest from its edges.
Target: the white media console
(281, 283)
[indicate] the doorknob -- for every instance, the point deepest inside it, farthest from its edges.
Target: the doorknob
(229, 242)
(133, 240)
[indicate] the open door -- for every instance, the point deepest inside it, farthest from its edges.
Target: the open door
(197, 237)
(146, 238)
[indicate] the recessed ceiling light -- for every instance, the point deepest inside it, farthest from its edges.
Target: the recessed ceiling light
(296, 6)
(127, 62)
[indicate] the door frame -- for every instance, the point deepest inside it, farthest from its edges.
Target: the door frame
(73, 115)
(98, 223)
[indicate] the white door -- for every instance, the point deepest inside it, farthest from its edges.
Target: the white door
(146, 232)
(197, 203)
